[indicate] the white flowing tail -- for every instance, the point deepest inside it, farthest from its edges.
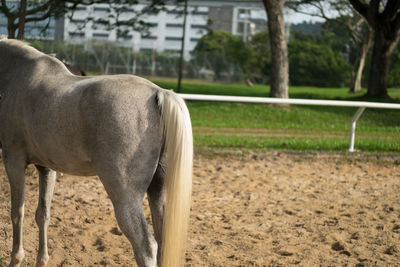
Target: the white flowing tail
(179, 148)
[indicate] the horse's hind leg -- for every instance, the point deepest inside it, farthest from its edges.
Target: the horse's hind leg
(47, 179)
(15, 165)
(126, 190)
(131, 220)
(157, 196)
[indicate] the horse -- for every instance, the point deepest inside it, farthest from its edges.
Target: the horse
(71, 68)
(135, 136)
(74, 70)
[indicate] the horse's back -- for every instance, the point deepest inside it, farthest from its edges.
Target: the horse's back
(87, 120)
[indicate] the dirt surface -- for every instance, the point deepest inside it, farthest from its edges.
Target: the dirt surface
(274, 209)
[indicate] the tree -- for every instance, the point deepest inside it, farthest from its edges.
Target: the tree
(279, 52)
(384, 18)
(33, 11)
(342, 14)
(220, 50)
(315, 64)
(27, 11)
(394, 74)
(260, 65)
(22, 20)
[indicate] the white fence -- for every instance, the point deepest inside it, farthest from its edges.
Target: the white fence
(361, 105)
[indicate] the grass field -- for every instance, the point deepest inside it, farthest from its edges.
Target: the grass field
(300, 128)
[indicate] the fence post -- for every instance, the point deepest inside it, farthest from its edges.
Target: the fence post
(353, 127)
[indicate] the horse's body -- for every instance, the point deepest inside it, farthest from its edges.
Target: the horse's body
(134, 135)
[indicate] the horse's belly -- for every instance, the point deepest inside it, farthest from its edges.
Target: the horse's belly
(82, 171)
(73, 166)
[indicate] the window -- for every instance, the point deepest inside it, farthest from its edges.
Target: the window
(80, 8)
(100, 35)
(76, 34)
(125, 37)
(78, 21)
(148, 37)
(100, 24)
(243, 14)
(126, 10)
(150, 12)
(201, 13)
(174, 11)
(101, 9)
(240, 27)
(173, 38)
(198, 26)
(174, 25)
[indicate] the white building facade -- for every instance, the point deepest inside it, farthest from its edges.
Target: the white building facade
(166, 31)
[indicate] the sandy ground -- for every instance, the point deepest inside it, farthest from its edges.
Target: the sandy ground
(274, 209)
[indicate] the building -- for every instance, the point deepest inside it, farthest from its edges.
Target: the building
(165, 33)
(239, 20)
(242, 18)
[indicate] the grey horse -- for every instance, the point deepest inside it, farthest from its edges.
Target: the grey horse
(134, 135)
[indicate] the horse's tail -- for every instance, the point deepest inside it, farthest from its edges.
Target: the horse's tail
(179, 148)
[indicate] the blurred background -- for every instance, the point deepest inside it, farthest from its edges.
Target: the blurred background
(225, 41)
(311, 49)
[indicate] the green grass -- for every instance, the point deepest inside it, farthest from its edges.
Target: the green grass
(308, 92)
(293, 143)
(303, 128)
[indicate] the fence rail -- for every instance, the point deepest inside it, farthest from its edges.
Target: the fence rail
(362, 105)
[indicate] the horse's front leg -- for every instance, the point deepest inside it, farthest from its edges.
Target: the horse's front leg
(15, 165)
(47, 179)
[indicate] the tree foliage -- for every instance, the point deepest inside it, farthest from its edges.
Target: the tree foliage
(317, 65)
(340, 15)
(315, 59)
(219, 50)
(394, 73)
(33, 11)
(321, 58)
(261, 61)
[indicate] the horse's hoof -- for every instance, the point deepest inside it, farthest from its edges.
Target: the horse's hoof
(42, 262)
(14, 263)
(16, 259)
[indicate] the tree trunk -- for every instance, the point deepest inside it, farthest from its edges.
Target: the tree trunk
(358, 67)
(279, 52)
(11, 30)
(384, 19)
(382, 52)
(21, 20)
